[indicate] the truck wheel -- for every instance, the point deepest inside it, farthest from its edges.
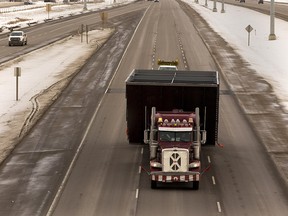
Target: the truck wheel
(195, 185)
(153, 184)
(9, 44)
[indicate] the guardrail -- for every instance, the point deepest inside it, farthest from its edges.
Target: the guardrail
(6, 10)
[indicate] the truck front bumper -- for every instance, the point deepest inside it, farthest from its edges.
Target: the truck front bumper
(175, 177)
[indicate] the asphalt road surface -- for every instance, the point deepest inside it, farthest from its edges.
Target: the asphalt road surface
(89, 118)
(45, 33)
(30, 177)
(242, 180)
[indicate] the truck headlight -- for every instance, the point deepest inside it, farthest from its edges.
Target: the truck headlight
(155, 164)
(194, 164)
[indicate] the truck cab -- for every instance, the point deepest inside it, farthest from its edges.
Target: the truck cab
(174, 141)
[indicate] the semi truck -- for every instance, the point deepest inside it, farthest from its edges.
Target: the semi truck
(175, 112)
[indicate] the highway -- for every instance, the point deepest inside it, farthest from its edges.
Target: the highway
(46, 33)
(89, 120)
(242, 180)
(30, 177)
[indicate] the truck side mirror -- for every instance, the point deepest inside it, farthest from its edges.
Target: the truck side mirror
(146, 136)
(203, 137)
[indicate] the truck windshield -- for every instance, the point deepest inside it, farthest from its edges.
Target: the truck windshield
(172, 136)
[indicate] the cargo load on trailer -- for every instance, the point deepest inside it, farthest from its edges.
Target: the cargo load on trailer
(177, 111)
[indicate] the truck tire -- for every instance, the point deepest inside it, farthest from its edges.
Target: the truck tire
(195, 185)
(153, 184)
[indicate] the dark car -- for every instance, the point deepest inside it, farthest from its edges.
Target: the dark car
(28, 2)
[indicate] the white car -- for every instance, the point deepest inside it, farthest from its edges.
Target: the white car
(17, 38)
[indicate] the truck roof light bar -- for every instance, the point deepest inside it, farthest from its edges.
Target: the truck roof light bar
(174, 123)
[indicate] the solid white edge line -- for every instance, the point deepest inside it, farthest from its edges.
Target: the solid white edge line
(219, 207)
(60, 189)
(126, 50)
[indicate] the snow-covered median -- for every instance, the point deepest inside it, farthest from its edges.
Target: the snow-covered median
(44, 74)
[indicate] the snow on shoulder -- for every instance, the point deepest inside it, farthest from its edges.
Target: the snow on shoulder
(44, 73)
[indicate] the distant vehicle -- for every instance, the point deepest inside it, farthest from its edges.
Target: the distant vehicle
(156, 0)
(260, 2)
(17, 38)
(28, 2)
(167, 65)
(242, 1)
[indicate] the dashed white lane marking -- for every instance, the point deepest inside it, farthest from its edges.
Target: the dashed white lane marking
(219, 207)
(213, 180)
(209, 160)
(137, 193)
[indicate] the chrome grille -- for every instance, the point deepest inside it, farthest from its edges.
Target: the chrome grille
(175, 160)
